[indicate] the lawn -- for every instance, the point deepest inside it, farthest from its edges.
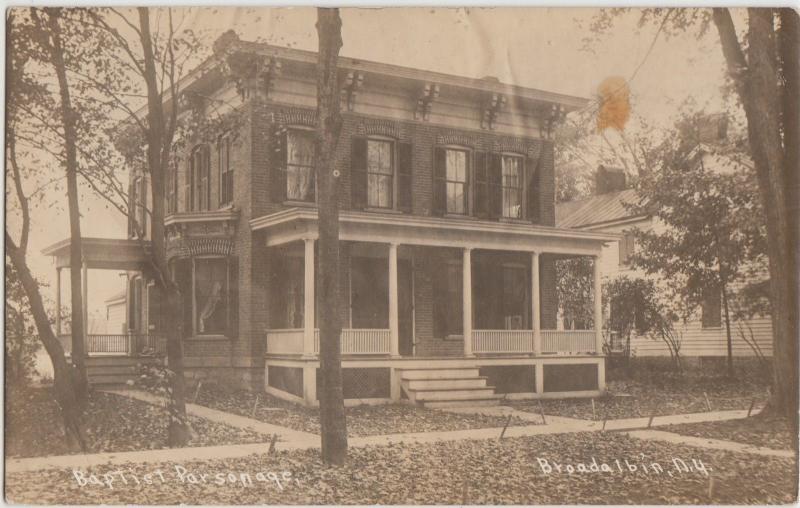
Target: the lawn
(759, 430)
(505, 471)
(111, 423)
(361, 420)
(630, 399)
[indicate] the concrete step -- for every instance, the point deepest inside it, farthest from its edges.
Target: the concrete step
(454, 394)
(444, 383)
(112, 370)
(439, 373)
(433, 404)
(109, 379)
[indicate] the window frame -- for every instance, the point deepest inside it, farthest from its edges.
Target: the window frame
(226, 171)
(171, 194)
(467, 183)
(521, 188)
(306, 131)
(200, 188)
(228, 316)
(392, 177)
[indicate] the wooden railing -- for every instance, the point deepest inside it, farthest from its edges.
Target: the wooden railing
(122, 344)
(355, 341)
(283, 341)
(569, 341)
(502, 341)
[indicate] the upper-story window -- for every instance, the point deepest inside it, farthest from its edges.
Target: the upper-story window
(171, 194)
(627, 247)
(225, 171)
(512, 178)
(380, 173)
(199, 170)
(300, 165)
(456, 180)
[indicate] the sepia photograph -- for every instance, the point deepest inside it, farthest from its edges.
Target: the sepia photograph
(401, 255)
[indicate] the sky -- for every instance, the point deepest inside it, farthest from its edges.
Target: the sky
(534, 47)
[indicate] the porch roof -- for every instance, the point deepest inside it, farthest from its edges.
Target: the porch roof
(103, 253)
(297, 223)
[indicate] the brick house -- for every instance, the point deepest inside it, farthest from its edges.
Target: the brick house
(448, 237)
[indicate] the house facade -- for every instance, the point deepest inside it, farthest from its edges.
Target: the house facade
(703, 334)
(447, 232)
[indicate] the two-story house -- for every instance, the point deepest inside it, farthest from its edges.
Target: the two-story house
(447, 230)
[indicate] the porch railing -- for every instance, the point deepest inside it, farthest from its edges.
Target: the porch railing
(355, 341)
(502, 341)
(121, 344)
(568, 341)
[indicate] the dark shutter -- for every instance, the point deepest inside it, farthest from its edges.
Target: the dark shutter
(233, 297)
(358, 173)
(481, 200)
(495, 170)
(532, 173)
(439, 181)
(278, 159)
(405, 170)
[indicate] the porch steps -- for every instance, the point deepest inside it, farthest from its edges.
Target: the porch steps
(447, 387)
(113, 370)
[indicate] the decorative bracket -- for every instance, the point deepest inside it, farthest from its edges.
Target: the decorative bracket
(429, 94)
(353, 82)
(252, 73)
(491, 110)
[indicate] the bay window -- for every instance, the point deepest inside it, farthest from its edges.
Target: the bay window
(209, 286)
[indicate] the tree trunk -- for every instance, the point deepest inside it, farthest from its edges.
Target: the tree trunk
(331, 400)
(63, 373)
(757, 83)
(728, 328)
(158, 146)
(75, 248)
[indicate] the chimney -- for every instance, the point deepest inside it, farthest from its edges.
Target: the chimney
(608, 179)
(712, 129)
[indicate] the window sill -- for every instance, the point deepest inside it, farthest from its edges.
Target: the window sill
(511, 220)
(293, 202)
(384, 210)
(209, 338)
(459, 216)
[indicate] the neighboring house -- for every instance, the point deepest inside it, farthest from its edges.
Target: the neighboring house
(447, 229)
(704, 335)
(115, 313)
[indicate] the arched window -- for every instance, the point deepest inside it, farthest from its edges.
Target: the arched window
(199, 189)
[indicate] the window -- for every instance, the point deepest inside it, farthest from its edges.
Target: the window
(171, 193)
(199, 176)
(225, 172)
(300, 165)
(456, 181)
(380, 174)
(211, 296)
(712, 309)
(512, 186)
(626, 247)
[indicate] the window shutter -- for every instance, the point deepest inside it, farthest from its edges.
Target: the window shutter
(279, 158)
(405, 171)
(481, 200)
(439, 181)
(358, 173)
(532, 173)
(495, 170)
(233, 297)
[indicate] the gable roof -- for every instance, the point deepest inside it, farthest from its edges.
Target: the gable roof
(608, 207)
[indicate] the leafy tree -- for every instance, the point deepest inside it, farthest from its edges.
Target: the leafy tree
(22, 343)
(574, 287)
(709, 224)
(329, 126)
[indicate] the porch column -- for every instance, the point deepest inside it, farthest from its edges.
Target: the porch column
(394, 332)
(598, 306)
(85, 298)
(58, 302)
(467, 300)
(536, 311)
(308, 294)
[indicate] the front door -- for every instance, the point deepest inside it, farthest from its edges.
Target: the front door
(405, 295)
